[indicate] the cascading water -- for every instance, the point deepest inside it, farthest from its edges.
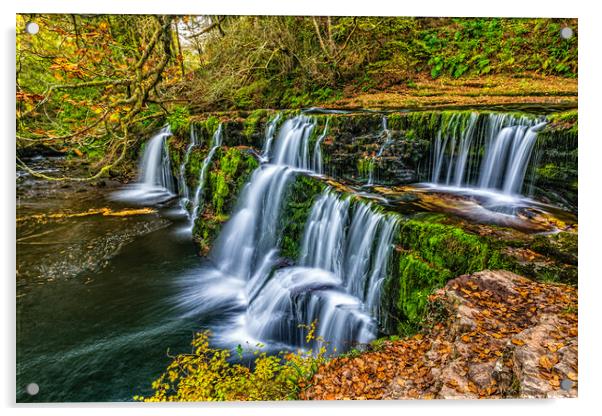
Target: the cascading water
(292, 146)
(518, 162)
(182, 184)
(339, 273)
(342, 264)
(270, 132)
(246, 249)
(155, 181)
(247, 246)
(317, 157)
(508, 141)
(216, 142)
(387, 142)
(248, 243)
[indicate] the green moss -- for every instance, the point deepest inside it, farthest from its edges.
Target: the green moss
(231, 169)
(365, 166)
(429, 254)
(297, 207)
(179, 121)
(210, 125)
(554, 176)
(205, 231)
(194, 165)
(252, 121)
(446, 246)
(416, 280)
(395, 121)
(567, 120)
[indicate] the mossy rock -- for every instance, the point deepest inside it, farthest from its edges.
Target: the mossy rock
(179, 121)
(429, 254)
(252, 123)
(447, 246)
(231, 169)
(299, 200)
(406, 295)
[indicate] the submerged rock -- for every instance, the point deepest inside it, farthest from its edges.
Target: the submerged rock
(492, 334)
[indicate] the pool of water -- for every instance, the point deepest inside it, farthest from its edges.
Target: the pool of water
(98, 331)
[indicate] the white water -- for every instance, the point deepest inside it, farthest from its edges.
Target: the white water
(155, 180)
(385, 132)
(340, 268)
(508, 142)
(317, 157)
(292, 145)
(182, 183)
(216, 142)
(342, 264)
(270, 132)
(247, 248)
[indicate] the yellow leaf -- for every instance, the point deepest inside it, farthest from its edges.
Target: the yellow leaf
(547, 362)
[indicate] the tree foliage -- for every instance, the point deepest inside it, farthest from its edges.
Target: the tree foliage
(88, 84)
(84, 82)
(288, 61)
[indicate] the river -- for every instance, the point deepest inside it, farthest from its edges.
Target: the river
(99, 330)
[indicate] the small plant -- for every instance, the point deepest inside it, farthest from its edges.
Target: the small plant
(207, 373)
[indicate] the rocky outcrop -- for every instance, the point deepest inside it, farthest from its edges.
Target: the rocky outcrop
(492, 334)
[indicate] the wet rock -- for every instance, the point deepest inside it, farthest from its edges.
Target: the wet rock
(505, 336)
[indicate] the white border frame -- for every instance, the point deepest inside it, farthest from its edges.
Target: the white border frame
(590, 235)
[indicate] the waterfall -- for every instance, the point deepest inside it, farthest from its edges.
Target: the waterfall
(247, 247)
(317, 157)
(455, 138)
(342, 264)
(385, 132)
(292, 146)
(182, 184)
(155, 180)
(518, 163)
(270, 132)
(508, 142)
(216, 142)
(337, 279)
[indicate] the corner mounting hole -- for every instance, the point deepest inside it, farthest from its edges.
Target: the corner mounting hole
(566, 33)
(566, 384)
(32, 389)
(32, 28)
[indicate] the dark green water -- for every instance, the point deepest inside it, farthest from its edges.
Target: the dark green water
(106, 340)
(98, 335)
